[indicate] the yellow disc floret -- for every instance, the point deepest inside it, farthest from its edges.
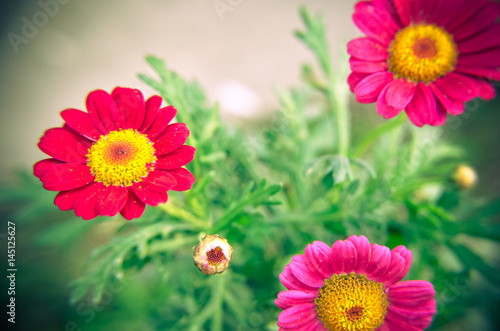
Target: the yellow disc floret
(121, 158)
(422, 53)
(351, 303)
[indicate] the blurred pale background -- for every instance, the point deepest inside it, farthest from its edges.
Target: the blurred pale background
(239, 53)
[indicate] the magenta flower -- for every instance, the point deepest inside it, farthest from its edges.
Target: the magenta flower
(427, 57)
(355, 286)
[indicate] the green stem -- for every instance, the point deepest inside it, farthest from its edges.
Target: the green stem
(184, 215)
(374, 134)
(170, 244)
(338, 104)
(218, 295)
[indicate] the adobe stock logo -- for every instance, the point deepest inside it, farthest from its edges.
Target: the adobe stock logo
(29, 30)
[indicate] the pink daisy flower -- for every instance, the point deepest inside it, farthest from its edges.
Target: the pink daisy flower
(119, 156)
(426, 57)
(353, 286)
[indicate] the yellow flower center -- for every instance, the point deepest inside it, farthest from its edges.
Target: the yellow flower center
(121, 158)
(422, 53)
(351, 303)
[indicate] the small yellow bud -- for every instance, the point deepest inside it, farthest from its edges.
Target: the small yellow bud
(212, 254)
(464, 176)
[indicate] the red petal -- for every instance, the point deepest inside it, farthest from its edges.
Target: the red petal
(177, 158)
(484, 89)
(441, 114)
(159, 181)
(152, 108)
(85, 203)
(403, 8)
(134, 207)
(174, 136)
(367, 49)
(397, 96)
(483, 19)
(422, 108)
(453, 106)
(490, 58)
(354, 79)
(103, 111)
(111, 200)
(65, 200)
(42, 167)
(366, 67)
(468, 10)
(457, 86)
(489, 73)
(368, 90)
(485, 40)
(165, 115)
(66, 176)
(81, 123)
(148, 196)
(131, 107)
(65, 145)
(376, 24)
(183, 177)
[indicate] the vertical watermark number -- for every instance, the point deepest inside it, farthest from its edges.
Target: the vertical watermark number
(11, 271)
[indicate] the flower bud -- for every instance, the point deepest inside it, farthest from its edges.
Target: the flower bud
(465, 177)
(212, 254)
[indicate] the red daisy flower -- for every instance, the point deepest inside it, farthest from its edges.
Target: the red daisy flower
(353, 286)
(427, 57)
(118, 157)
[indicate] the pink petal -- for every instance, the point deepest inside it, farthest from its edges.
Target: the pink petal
(287, 299)
(65, 200)
(134, 207)
(411, 293)
(414, 313)
(302, 272)
(103, 111)
(388, 7)
(152, 106)
(367, 49)
(484, 40)
(297, 316)
(292, 283)
(375, 23)
(441, 114)
(81, 123)
(174, 136)
(317, 257)
(489, 73)
(47, 165)
(165, 115)
(394, 323)
(379, 262)
(395, 97)
(468, 10)
(483, 19)
(367, 67)
(159, 181)
(85, 203)
(354, 78)
(148, 196)
(457, 86)
(181, 156)
(131, 107)
(111, 200)
(489, 58)
(422, 108)
(65, 145)
(183, 177)
(66, 176)
(453, 106)
(484, 89)
(343, 257)
(405, 254)
(369, 89)
(395, 272)
(363, 250)
(403, 8)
